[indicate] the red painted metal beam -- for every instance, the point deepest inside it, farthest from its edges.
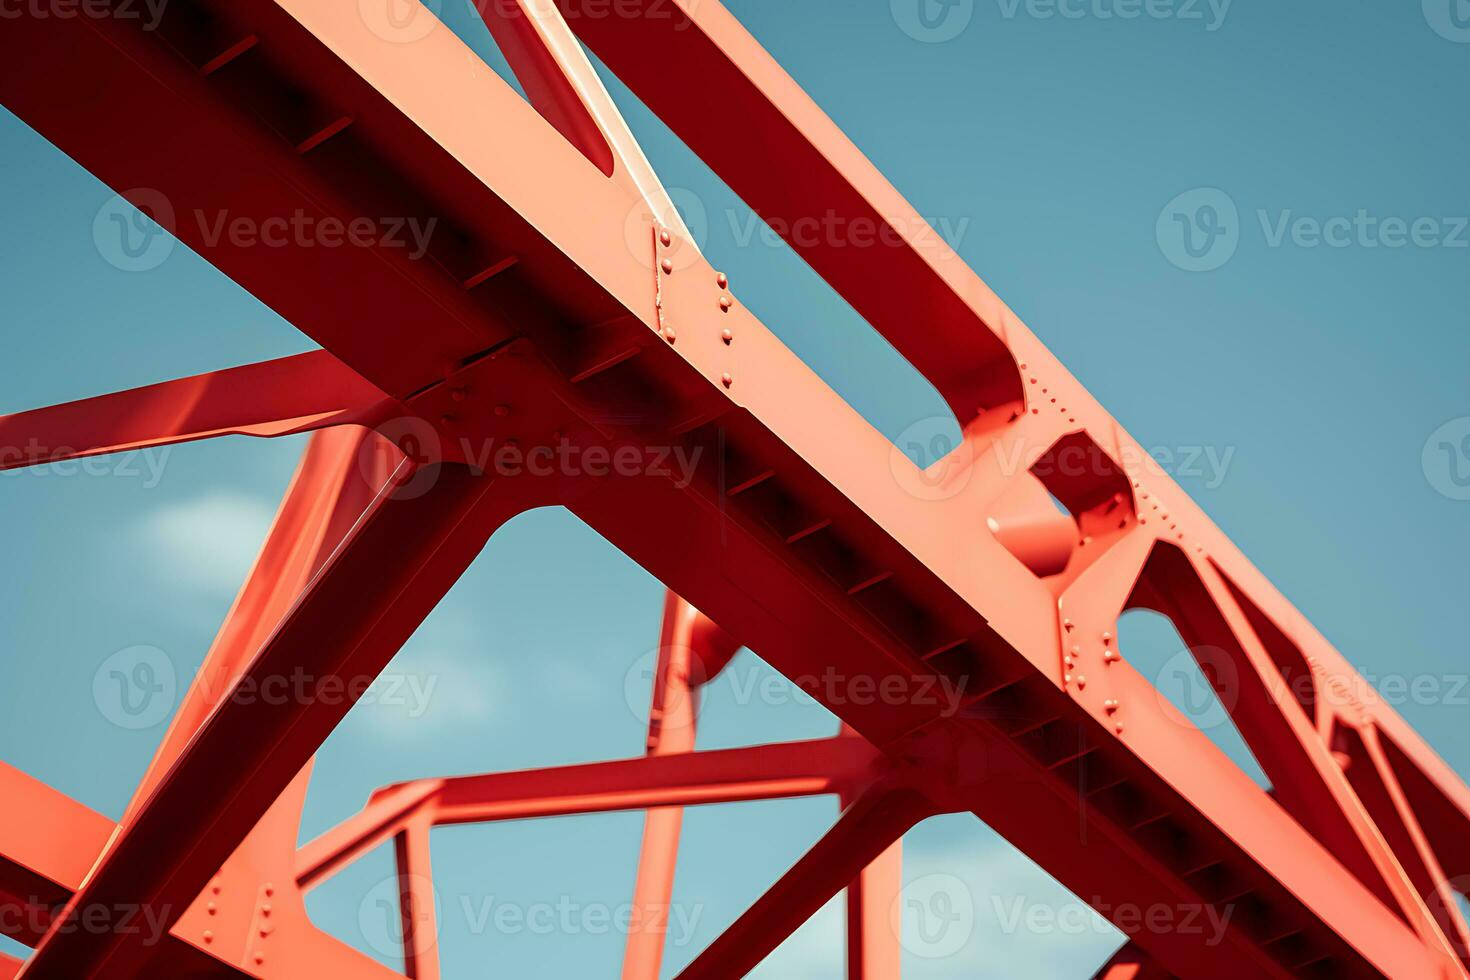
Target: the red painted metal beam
(1131, 963)
(47, 843)
(390, 571)
(908, 283)
(273, 398)
(831, 554)
(865, 830)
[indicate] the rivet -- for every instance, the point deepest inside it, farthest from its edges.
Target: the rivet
(1107, 638)
(446, 418)
(259, 958)
(1118, 729)
(1067, 679)
(664, 237)
(210, 908)
(270, 890)
(726, 380)
(669, 334)
(265, 909)
(725, 303)
(208, 936)
(457, 394)
(501, 411)
(1110, 705)
(667, 265)
(1067, 625)
(1081, 681)
(722, 280)
(726, 335)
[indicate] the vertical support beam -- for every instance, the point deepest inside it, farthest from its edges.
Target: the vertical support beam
(416, 901)
(873, 951)
(671, 729)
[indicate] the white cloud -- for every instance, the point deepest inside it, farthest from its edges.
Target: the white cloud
(208, 544)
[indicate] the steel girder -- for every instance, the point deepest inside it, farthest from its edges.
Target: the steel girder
(563, 302)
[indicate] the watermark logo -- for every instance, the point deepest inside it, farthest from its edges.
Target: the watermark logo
(380, 915)
(1450, 19)
(643, 220)
(929, 460)
(933, 916)
(638, 685)
(1446, 459)
(419, 442)
(132, 230)
(1203, 683)
(932, 21)
(136, 688)
(1199, 230)
(139, 236)
(400, 21)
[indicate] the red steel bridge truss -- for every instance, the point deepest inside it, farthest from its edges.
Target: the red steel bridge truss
(562, 300)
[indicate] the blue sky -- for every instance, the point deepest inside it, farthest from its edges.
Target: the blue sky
(1066, 151)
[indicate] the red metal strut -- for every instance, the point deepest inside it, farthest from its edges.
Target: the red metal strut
(564, 304)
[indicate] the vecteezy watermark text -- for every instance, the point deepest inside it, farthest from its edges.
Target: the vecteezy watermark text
(136, 231)
(1210, 14)
(36, 915)
(148, 12)
(746, 684)
(40, 460)
(1201, 229)
(381, 920)
(137, 688)
(1021, 914)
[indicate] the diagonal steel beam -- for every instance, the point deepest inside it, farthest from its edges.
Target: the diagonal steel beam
(273, 398)
(862, 833)
(389, 573)
(932, 590)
